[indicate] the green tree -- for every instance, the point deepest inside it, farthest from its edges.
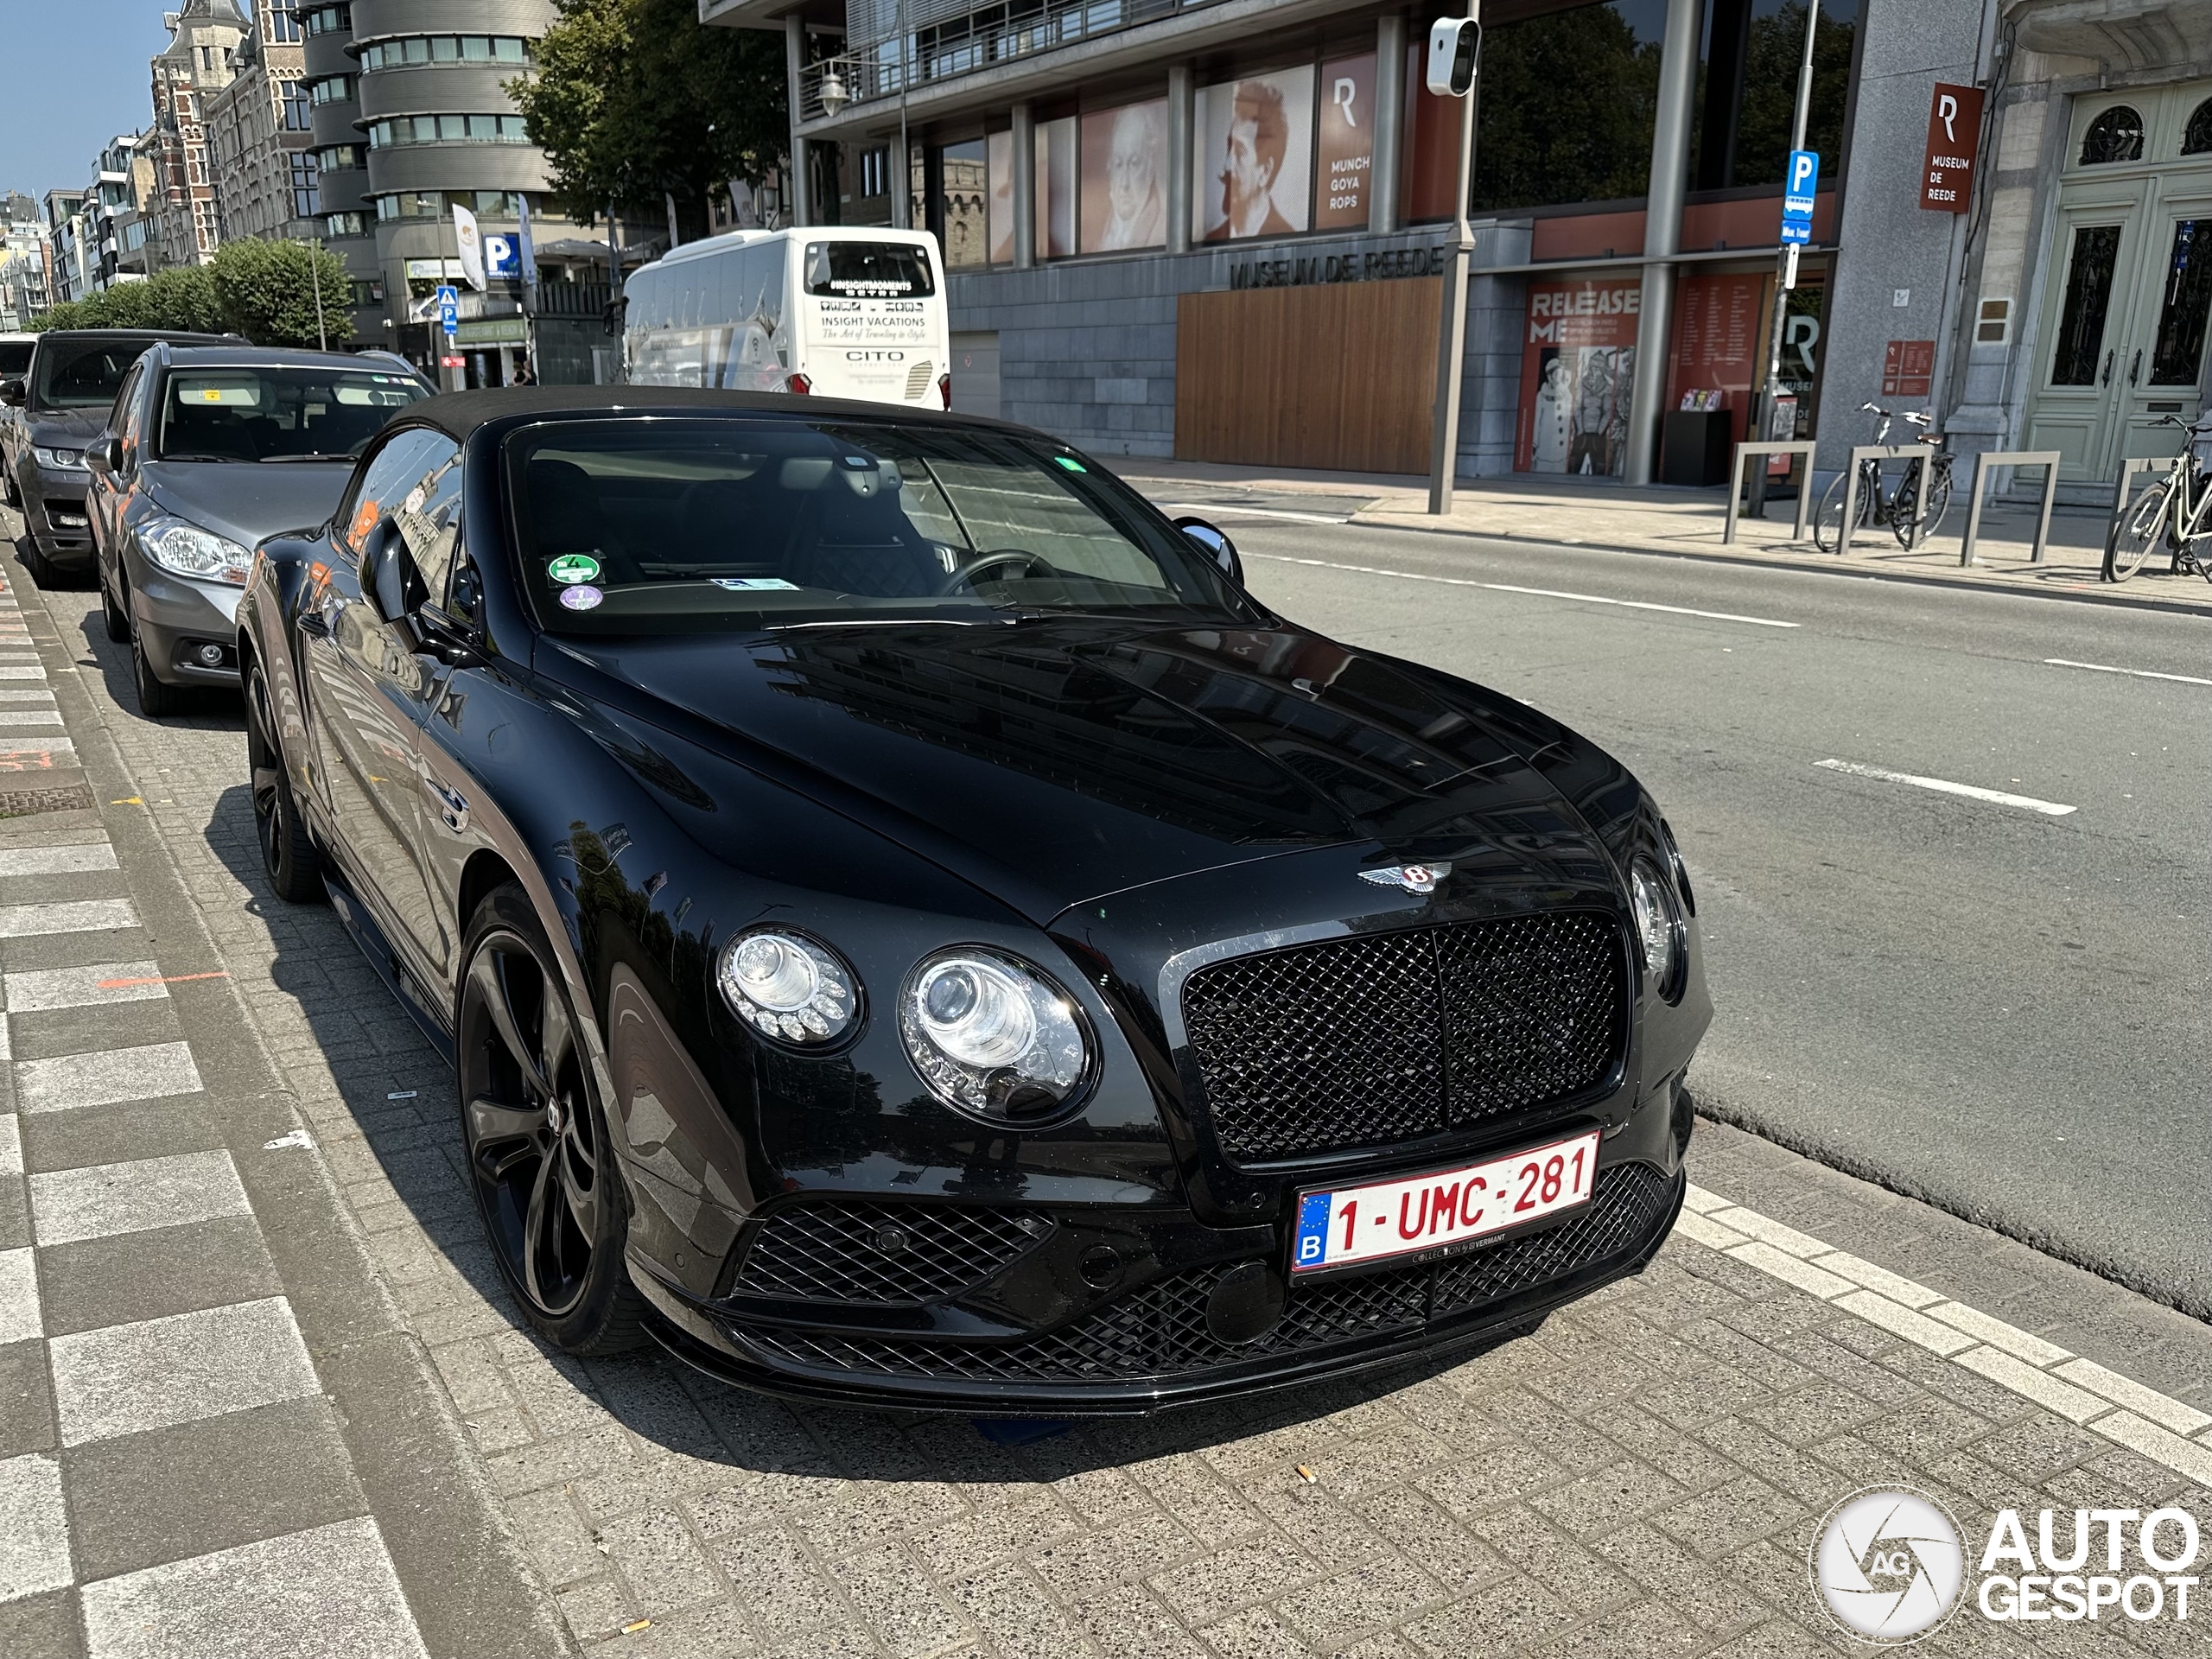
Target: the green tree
(266, 291)
(182, 300)
(636, 100)
(1567, 103)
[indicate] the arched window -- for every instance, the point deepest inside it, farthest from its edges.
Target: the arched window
(2114, 136)
(2197, 136)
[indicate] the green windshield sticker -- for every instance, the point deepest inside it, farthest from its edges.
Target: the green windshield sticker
(572, 567)
(1070, 463)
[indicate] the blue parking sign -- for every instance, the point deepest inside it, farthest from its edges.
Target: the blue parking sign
(1803, 179)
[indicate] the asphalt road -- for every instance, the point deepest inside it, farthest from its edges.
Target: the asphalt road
(1992, 1007)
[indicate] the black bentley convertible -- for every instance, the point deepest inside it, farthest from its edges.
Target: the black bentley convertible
(910, 927)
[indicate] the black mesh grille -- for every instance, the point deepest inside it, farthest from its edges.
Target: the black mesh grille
(1367, 1041)
(856, 1252)
(1160, 1331)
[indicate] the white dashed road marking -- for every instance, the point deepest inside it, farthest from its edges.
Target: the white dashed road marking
(1224, 508)
(2156, 1425)
(2132, 673)
(1536, 592)
(1944, 786)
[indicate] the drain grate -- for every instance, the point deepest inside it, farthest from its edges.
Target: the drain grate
(22, 803)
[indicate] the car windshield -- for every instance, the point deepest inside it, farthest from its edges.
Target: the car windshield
(666, 527)
(86, 374)
(277, 414)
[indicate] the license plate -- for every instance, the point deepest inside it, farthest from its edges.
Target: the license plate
(1444, 1210)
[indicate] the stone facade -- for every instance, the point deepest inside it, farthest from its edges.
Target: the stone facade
(196, 65)
(259, 144)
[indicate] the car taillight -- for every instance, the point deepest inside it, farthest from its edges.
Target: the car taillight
(944, 389)
(799, 384)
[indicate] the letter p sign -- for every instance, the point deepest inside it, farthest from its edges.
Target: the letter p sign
(1804, 171)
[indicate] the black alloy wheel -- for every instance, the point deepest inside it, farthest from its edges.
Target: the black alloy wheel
(536, 1137)
(157, 698)
(287, 852)
(116, 618)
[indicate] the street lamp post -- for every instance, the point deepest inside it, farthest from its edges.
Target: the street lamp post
(1785, 280)
(1451, 324)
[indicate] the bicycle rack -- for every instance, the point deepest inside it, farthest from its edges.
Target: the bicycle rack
(1792, 446)
(2128, 468)
(1987, 462)
(1876, 452)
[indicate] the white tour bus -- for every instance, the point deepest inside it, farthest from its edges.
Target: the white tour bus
(837, 311)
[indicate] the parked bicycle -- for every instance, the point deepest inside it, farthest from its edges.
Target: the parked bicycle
(2171, 511)
(1900, 509)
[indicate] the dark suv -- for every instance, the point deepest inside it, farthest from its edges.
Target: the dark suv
(65, 397)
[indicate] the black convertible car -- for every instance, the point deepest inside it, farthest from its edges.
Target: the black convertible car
(911, 928)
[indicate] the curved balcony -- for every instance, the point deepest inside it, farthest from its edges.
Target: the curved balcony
(468, 89)
(375, 20)
(456, 167)
(325, 54)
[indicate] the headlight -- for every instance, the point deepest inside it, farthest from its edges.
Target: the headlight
(1658, 924)
(788, 987)
(59, 461)
(191, 551)
(992, 1035)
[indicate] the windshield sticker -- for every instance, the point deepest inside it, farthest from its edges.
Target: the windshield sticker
(1071, 463)
(573, 568)
(755, 584)
(586, 598)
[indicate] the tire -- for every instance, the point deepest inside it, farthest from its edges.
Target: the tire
(8, 493)
(2145, 526)
(117, 619)
(157, 698)
(1911, 536)
(1828, 523)
(540, 1161)
(37, 568)
(287, 852)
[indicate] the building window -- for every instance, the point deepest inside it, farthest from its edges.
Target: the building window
(344, 225)
(448, 130)
(435, 204)
(341, 158)
(328, 20)
(2196, 137)
(203, 226)
(293, 99)
(280, 23)
(306, 194)
(876, 171)
(2114, 136)
(447, 48)
(331, 89)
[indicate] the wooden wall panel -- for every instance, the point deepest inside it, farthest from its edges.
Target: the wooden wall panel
(1339, 376)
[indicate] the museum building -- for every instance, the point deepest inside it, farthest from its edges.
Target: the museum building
(1213, 230)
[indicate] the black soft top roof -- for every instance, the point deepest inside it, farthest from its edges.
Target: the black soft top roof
(460, 413)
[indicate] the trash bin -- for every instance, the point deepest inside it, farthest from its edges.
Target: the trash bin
(1693, 447)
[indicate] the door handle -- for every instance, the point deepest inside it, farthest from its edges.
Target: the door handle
(2135, 369)
(2105, 379)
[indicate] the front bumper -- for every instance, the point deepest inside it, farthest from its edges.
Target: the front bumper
(177, 618)
(1153, 1344)
(54, 513)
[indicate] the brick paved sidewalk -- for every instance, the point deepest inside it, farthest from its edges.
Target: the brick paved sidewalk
(1689, 522)
(1640, 1476)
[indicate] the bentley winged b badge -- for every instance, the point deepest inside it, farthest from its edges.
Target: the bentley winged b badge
(1413, 878)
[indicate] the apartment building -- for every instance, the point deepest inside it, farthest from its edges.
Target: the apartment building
(260, 138)
(195, 66)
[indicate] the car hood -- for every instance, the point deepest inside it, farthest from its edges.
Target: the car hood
(247, 501)
(66, 429)
(1058, 762)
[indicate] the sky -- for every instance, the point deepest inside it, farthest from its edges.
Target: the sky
(72, 75)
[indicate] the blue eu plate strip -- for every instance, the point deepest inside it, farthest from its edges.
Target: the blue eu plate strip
(1311, 1247)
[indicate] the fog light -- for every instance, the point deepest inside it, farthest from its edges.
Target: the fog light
(211, 656)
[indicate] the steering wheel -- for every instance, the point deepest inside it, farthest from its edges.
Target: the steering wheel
(982, 562)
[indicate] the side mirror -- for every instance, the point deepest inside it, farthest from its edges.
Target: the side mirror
(384, 577)
(104, 455)
(13, 392)
(1210, 540)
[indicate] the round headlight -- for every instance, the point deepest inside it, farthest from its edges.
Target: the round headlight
(788, 987)
(992, 1035)
(1658, 924)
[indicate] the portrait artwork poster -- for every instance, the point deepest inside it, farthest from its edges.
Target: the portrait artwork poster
(1344, 160)
(1056, 188)
(1252, 164)
(1000, 165)
(1578, 370)
(1125, 177)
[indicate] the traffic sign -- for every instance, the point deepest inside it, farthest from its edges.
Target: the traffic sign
(448, 309)
(1803, 178)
